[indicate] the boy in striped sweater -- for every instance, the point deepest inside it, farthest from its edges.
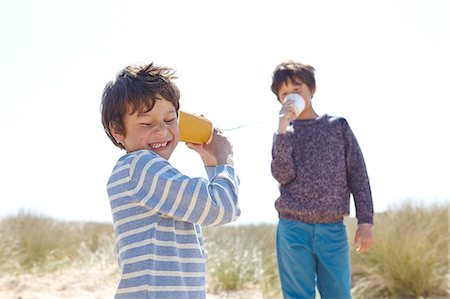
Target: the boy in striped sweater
(157, 211)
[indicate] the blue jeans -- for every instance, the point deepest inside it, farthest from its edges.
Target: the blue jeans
(313, 253)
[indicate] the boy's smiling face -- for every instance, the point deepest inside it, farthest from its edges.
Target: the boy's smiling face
(156, 130)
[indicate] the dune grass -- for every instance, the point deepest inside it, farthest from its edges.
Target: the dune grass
(30, 242)
(410, 258)
(242, 257)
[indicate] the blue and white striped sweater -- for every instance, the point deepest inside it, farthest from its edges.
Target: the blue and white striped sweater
(157, 213)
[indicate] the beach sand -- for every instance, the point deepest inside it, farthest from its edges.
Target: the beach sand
(80, 283)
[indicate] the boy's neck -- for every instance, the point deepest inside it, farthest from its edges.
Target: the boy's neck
(308, 114)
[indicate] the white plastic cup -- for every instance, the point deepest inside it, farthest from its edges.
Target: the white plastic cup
(299, 102)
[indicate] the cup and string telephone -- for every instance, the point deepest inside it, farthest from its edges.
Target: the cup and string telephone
(198, 129)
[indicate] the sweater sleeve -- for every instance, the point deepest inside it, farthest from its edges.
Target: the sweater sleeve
(357, 177)
(282, 166)
(155, 184)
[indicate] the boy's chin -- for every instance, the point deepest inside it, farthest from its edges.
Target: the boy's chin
(166, 154)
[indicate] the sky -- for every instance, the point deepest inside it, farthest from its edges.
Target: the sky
(383, 65)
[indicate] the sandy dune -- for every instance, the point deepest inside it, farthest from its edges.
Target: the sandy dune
(78, 283)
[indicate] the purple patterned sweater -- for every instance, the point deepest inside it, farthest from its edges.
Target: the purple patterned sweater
(318, 165)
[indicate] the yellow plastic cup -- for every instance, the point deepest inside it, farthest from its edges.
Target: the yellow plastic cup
(194, 128)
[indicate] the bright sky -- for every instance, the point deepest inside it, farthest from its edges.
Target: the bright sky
(383, 65)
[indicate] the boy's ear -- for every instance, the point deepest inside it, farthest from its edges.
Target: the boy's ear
(313, 91)
(119, 137)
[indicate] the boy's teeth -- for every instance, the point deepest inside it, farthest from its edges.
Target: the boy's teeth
(158, 145)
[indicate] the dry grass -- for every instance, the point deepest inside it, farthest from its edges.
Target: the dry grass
(410, 258)
(34, 243)
(242, 258)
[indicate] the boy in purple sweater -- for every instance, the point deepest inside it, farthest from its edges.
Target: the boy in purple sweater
(318, 164)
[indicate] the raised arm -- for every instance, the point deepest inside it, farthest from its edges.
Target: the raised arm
(155, 184)
(282, 166)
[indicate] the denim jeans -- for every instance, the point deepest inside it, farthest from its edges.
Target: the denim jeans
(311, 255)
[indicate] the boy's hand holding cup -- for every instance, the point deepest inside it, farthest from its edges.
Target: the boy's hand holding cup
(292, 106)
(199, 134)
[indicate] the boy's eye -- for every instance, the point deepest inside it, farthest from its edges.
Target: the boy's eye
(150, 124)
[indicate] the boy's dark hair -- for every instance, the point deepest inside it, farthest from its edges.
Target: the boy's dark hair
(295, 71)
(136, 87)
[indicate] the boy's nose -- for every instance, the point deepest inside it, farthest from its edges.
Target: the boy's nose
(160, 128)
